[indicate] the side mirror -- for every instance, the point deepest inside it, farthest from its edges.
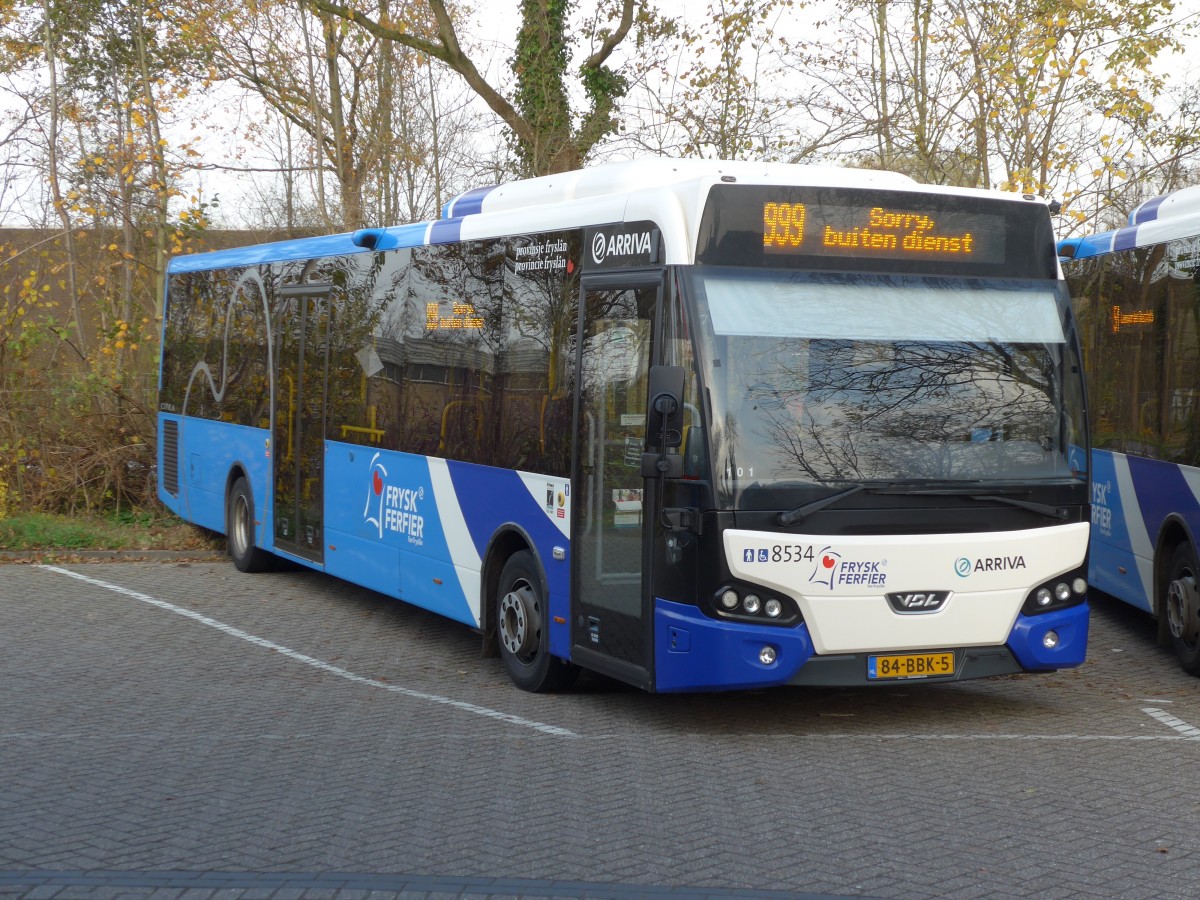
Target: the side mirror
(664, 420)
(694, 452)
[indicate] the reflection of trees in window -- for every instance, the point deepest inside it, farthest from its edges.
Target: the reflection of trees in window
(536, 369)
(417, 350)
(247, 395)
(353, 356)
(1137, 318)
(1181, 414)
(449, 351)
(840, 410)
(215, 358)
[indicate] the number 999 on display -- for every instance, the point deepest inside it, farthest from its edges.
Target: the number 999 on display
(783, 224)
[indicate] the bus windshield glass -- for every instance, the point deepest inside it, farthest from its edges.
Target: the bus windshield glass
(831, 379)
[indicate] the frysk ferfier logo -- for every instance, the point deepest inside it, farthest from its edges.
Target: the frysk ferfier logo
(392, 508)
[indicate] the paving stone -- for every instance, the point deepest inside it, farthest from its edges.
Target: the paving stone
(135, 740)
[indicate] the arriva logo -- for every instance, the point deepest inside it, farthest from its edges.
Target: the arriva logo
(964, 567)
(620, 245)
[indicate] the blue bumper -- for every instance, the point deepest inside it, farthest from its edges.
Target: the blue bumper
(1027, 641)
(696, 653)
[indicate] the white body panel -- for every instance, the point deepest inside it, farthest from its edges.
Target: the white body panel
(841, 588)
(670, 192)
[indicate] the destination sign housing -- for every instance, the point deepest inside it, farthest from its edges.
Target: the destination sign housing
(867, 230)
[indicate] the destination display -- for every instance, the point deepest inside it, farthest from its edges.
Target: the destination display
(880, 231)
(877, 230)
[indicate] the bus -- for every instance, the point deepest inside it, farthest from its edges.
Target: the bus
(1136, 292)
(690, 425)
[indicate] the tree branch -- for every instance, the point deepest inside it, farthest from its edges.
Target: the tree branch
(597, 59)
(446, 49)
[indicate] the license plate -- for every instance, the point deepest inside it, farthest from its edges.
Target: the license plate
(910, 665)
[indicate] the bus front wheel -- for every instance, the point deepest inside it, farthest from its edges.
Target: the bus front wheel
(523, 629)
(239, 530)
(1183, 608)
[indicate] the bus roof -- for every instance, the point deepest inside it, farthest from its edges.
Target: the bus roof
(670, 192)
(1165, 218)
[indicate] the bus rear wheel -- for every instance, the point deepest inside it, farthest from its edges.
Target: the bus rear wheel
(1183, 608)
(239, 530)
(523, 629)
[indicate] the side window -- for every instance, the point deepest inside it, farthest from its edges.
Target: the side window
(214, 364)
(1181, 355)
(247, 387)
(179, 343)
(360, 395)
(678, 350)
(536, 375)
(1122, 320)
(451, 373)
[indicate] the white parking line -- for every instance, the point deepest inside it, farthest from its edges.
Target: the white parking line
(311, 661)
(1171, 722)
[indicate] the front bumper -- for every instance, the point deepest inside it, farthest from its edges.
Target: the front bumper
(696, 653)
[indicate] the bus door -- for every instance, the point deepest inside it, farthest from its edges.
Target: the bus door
(611, 618)
(302, 349)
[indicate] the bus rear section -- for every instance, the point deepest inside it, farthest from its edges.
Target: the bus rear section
(1135, 295)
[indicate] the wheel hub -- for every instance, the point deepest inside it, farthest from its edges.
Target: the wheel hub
(1183, 608)
(241, 525)
(519, 623)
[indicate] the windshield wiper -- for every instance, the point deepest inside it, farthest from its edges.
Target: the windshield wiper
(801, 512)
(1055, 512)
(1045, 509)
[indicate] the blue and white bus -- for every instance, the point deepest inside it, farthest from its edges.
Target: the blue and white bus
(692, 425)
(1136, 292)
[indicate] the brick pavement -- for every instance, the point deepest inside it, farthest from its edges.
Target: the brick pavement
(136, 740)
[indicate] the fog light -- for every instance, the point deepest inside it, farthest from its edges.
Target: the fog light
(1044, 597)
(1061, 591)
(752, 604)
(766, 656)
(773, 608)
(729, 599)
(1079, 585)
(1050, 640)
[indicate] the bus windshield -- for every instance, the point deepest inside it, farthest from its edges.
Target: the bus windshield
(833, 379)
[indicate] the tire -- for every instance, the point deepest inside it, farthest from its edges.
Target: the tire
(239, 530)
(1181, 607)
(523, 629)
